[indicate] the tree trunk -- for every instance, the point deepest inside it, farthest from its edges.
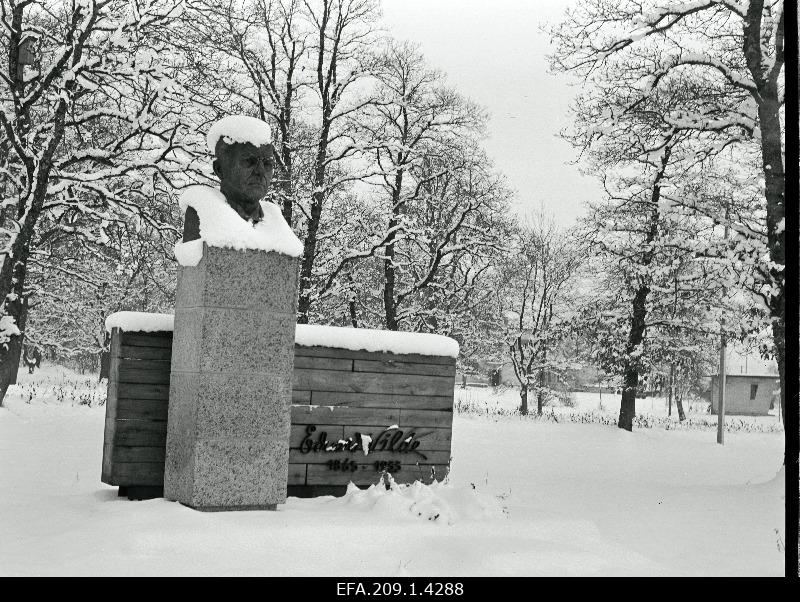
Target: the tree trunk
(307, 265)
(17, 350)
(12, 283)
(389, 269)
(779, 336)
(630, 374)
(774, 176)
(286, 158)
(775, 193)
(310, 244)
(627, 408)
(679, 403)
(353, 318)
(540, 393)
(288, 185)
(523, 407)
(671, 387)
(389, 308)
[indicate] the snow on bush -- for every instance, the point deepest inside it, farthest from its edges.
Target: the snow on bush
(8, 328)
(438, 502)
(640, 421)
(57, 386)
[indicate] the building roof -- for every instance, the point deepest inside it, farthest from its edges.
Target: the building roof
(761, 375)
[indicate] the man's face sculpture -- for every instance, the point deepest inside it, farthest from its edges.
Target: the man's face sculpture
(245, 172)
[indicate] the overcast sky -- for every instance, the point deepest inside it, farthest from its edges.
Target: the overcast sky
(494, 52)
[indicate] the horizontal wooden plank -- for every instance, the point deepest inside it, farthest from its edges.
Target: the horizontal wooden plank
(394, 367)
(343, 415)
(140, 432)
(308, 491)
(147, 339)
(133, 376)
(365, 382)
(301, 397)
(137, 473)
(145, 353)
(139, 454)
(379, 400)
(138, 364)
(142, 391)
(297, 474)
(427, 473)
(302, 351)
(426, 418)
(323, 363)
(406, 460)
(320, 474)
(142, 409)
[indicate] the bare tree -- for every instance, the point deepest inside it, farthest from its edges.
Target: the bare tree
(532, 290)
(251, 56)
(415, 122)
(82, 122)
(343, 34)
(304, 66)
(734, 50)
(418, 119)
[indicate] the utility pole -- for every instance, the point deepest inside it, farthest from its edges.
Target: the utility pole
(722, 350)
(721, 402)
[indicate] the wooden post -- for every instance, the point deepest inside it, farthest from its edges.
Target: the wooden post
(721, 392)
(722, 350)
(600, 390)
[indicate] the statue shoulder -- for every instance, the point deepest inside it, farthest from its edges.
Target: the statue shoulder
(194, 201)
(191, 224)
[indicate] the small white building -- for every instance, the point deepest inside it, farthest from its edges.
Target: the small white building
(747, 394)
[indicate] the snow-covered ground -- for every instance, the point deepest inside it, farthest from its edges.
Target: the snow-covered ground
(525, 497)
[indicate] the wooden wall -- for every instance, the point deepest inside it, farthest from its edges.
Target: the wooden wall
(404, 403)
(136, 409)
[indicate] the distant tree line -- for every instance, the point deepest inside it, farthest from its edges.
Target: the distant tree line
(406, 223)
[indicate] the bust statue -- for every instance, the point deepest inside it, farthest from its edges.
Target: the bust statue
(244, 169)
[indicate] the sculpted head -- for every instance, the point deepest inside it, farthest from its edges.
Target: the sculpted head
(245, 161)
(244, 171)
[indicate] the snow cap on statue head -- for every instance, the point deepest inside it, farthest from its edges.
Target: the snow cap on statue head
(238, 128)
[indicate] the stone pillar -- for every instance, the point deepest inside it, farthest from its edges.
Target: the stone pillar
(231, 381)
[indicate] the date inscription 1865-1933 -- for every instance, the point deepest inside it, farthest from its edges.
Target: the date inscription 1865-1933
(389, 440)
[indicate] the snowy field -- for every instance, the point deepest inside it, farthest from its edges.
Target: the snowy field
(603, 408)
(525, 497)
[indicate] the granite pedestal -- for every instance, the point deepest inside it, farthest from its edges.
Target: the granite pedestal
(231, 381)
